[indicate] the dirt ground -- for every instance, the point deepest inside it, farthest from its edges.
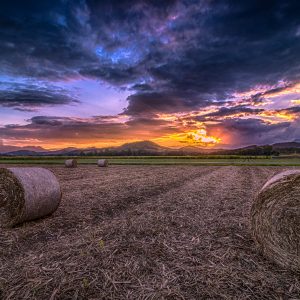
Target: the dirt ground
(145, 232)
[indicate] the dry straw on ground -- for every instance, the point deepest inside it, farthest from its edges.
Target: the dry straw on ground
(71, 163)
(27, 194)
(160, 232)
(275, 218)
(102, 163)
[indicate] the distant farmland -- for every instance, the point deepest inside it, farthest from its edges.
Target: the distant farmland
(222, 160)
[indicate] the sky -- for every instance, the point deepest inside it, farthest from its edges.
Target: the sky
(216, 74)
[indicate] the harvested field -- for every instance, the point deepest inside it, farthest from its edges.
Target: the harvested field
(145, 232)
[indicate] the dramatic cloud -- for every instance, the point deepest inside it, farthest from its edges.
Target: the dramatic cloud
(224, 112)
(29, 97)
(48, 130)
(151, 103)
(229, 62)
(244, 132)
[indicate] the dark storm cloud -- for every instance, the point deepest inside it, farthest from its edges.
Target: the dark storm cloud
(57, 128)
(48, 121)
(252, 126)
(155, 102)
(47, 39)
(233, 47)
(62, 129)
(255, 131)
(59, 39)
(229, 111)
(137, 122)
(174, 56)
(111, 74)
(30, 97)
(199, 50)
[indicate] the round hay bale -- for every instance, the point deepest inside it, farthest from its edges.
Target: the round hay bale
(275, 219)
(71, 163)
(102, 163)
(27, 194)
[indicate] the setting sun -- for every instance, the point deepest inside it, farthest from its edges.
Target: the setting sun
(198, 137)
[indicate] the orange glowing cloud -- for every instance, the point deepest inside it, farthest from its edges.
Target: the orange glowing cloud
(278, 116)
(259, 89)
(245, 98)
(200, 137)
(297, 101)
(197, 137)
(290, 89)
(267, 93)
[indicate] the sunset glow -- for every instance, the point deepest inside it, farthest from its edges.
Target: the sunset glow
(197, 137)
(103, 73)
(200, 137)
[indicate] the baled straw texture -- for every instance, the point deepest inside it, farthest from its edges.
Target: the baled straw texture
(27, 194)
(102, 163)
(71, 163)
(275, 219)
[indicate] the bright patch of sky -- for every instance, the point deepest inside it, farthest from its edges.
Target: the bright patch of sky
(95, 98)
(6, 81)
(283, 101)
(129, 55)
(10, 116)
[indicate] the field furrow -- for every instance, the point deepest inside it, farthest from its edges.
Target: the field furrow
(145, 233)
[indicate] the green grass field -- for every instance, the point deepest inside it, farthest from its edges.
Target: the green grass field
(162, 160)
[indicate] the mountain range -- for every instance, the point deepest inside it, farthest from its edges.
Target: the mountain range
(151, 148)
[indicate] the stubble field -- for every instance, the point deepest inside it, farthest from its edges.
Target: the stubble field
(145, 232)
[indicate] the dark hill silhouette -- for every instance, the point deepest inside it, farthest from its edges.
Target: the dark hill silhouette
(141, 145)
(151, 148)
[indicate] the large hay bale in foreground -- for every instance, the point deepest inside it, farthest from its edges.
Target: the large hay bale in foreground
(71, 163)
(102, 163)
(27, 194)
(275, 219)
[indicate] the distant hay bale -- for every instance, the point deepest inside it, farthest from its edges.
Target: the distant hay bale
(275, 219)
(102, 163)
(27, 194)
(71, 163)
